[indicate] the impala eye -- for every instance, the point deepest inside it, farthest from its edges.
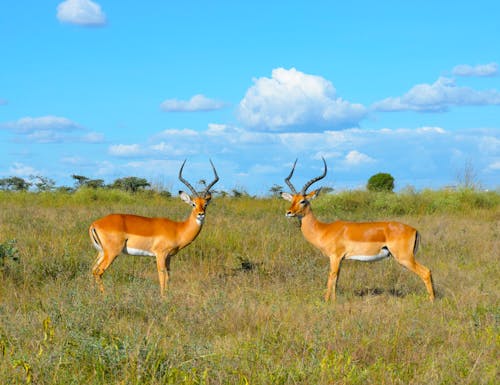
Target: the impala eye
(303, 202)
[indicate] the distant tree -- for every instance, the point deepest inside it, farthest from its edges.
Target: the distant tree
(83, 181)
(131, 184)
(276, 190)
(381, 182)
(42, 183)
(326, 190)
(14, 183)
(467, 178)
(94, 183)
(239, 193)
(80, 180)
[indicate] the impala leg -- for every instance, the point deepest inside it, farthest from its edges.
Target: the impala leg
(423, 272)
(104, 260)
(163, 266)
(332, 278)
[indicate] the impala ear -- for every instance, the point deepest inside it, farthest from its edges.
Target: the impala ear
(313, 194)
(185, 197)
(287, 196)
(208, 197)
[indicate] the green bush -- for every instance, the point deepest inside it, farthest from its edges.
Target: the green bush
(8, 250)
(380, 182)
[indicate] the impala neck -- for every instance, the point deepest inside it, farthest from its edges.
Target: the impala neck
(191, 227)
(312, 229)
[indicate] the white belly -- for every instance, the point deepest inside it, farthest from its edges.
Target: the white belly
(384, 253)
(132, 251)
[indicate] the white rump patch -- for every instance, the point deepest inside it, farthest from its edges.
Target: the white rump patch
(95, 240)
(384, 253)
(139, 252)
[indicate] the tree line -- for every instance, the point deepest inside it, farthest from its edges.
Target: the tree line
(40, 183)
(377, 182)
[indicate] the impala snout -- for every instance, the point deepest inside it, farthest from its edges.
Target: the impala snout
(200, 217)
(289, 214)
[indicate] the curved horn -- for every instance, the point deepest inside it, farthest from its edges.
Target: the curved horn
(308, 184)
(287, 179)
(185, 181)
(214, 181)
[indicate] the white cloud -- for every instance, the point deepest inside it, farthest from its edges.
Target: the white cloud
(22, 170)
(424, 157)
(291, 99)
(32, 125)
(490, 69)
(355, 158)
(50, 129)
(81, 12)
(186, 132)
(93, 137)
(438, 97)
(126, 150)
(196, 103)
(494, 166)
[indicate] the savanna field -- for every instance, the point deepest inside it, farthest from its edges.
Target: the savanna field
(245, 301)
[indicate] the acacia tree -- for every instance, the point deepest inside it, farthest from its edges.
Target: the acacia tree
(131, 183)
(14, 183)
(276, 190)
(83, 181)
(381, 182)
(43, 183)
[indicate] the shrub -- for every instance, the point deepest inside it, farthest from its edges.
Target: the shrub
(8, 250)
(381, 182)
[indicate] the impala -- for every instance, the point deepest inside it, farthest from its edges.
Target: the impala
(362, 241)
(155, 237)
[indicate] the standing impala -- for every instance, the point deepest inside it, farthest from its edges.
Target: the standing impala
(362, 241)
(155, 237)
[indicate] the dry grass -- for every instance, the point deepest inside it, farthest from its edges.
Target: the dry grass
(245, 302)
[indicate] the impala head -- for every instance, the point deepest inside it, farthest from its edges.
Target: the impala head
(199, 200)
(300, 200)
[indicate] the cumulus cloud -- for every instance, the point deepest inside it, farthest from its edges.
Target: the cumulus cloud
(32, 125)
(196, 103)
(292, 99)
(426, 156)
(20, 169)
(93, 137)
(81, 12)
(355, 158)
(50, 129)
(490, 69)
(438, 97)
(126, 150)
(494, 166)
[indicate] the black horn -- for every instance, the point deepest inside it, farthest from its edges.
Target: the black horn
(313, 180)
(188, 185)
(207, 189)
(287, 179)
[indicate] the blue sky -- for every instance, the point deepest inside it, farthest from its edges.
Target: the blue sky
(108, 89)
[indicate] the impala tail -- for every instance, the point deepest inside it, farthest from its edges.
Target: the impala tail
(95, 238)
(417, 243)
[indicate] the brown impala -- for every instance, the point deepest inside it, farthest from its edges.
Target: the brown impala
(362, 241)
(155, 237)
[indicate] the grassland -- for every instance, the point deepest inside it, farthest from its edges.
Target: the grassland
(245, 301)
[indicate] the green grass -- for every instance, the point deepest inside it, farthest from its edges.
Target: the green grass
(245, 302)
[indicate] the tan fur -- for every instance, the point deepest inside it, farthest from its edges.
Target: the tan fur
(159, 236)
(338, 240)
